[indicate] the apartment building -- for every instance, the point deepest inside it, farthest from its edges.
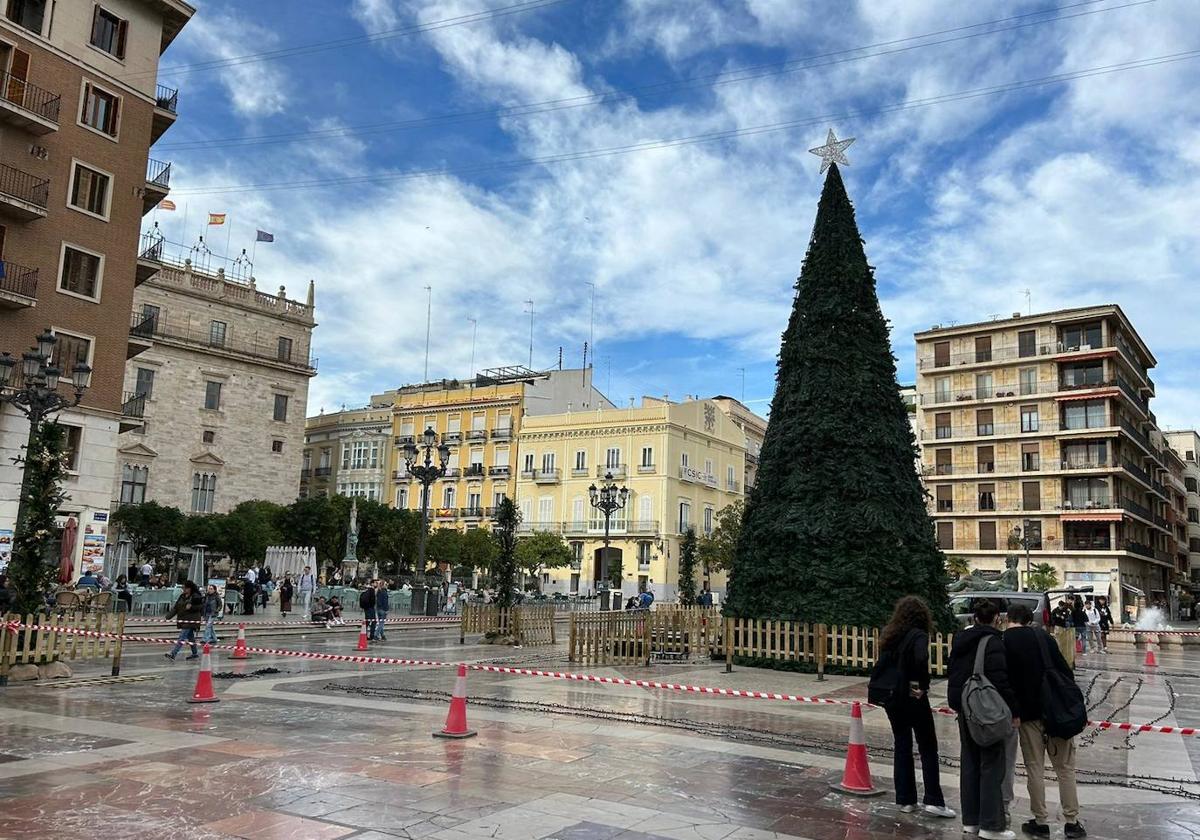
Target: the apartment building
(754, 429)
(348, 453)
(480, 421)
(1043, 423)
(1187, 445)
(681, 463)
(221, 384)
(79, 109)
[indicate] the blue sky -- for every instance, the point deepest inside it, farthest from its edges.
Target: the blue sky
(1085, 191)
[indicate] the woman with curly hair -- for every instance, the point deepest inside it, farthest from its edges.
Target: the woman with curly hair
(904, 655)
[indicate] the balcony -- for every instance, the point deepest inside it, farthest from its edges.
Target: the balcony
(1136, 434)
(999, 353)
(405, 440)
(452, 438)
(1136, 509)
(193, 335)
(733, 486)
(166, 110)
(500, 471)
(150, 258)
(617, 471)
(536, 525)
(502, 433)
(445, 513)
(322, 472)
(477, 434)
(471, 513)
(28, 106)
(751, 458)
(18, 285)
(133, 410)
(305, 472)
(1138, 548)
(451, 473)
(645, 469)
(158, 184)
(141, 334)
(23, 197)
(971, 430)
(401, 475)
(580, 472)
(473, 471)
(551, 476)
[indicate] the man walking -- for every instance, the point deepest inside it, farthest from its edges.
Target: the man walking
(306, 586)
(366, 601)
(1028, 650)
(249, 584)
(381, 609)
(982, 766)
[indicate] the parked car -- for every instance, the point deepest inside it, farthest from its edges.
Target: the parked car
(962, 604)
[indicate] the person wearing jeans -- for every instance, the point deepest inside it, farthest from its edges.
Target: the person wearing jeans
(306, 586)
(381, 609)
(187, 612)
(212, 611)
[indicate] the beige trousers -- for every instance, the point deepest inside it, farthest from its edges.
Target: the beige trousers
(1062, 757)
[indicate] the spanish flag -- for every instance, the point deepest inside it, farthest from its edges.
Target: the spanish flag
(216, 219)
(166, 204)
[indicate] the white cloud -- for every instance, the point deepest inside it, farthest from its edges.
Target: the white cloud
(255, 89)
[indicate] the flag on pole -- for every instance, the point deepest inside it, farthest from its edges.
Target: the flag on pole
(263, 236)
(216, 218)
(166, 204)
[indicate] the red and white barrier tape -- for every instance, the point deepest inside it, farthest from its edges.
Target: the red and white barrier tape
(566, 675)
(250, 625)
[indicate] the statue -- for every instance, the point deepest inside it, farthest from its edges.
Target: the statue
(1007, 582)
(351, 557)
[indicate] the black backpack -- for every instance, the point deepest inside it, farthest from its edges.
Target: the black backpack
(366, 600)
(888, 683)
(1064, 712)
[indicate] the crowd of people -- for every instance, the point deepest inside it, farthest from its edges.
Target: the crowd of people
(1090, 619)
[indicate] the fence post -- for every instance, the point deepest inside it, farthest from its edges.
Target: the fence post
(648, 636)
(6, 638)
(462, 625)
(571, 638)
(822, 644)
(729, 645)
(553, 632)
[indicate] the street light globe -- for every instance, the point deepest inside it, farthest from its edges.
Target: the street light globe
(45, 344)
(52, 376)
(430, 436)
(7, 362)
(81, 377)
(31, 366)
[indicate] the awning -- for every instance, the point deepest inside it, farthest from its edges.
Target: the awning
(1071, 516)
(1133, 589)
(1088, 395)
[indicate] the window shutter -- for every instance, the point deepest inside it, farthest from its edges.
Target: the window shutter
(95, 23)
(122, 33)
(18, 72)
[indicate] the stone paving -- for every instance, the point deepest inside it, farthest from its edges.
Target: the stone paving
(329, 750)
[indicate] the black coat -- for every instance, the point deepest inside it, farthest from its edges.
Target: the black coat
(962, 665)
(914, 664)
(1026, 667)
(188, 611)
(366, 599)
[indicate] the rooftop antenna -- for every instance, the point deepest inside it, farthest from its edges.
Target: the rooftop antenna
(560, 357)
(428, 321)
(529, 303)
(1028, 301)
(585, 367)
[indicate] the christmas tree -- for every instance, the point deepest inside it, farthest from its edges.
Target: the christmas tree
(836, 528)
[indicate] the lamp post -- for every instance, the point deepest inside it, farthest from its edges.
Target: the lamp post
(608, 499)
(37, 397)
(421, 466)
(1022, 538)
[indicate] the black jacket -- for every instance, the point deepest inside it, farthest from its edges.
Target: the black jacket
(962, 665)
(1026, 667)
(914, 665)
(1061, 617)
(1106, 619)
(366, 600)
(187, 611)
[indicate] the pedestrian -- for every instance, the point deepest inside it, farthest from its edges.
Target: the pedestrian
(306, 586)
(187, 612)
(1080, 622)
(123, 593)
(1028, 650)
(249, 588)
(381, 609)
(1093, 626)
(212, 612)
(900, 681)
(1106, 622)
(982, 767)
(146, 570)
(705, 599)
(286, 590)
(265, 585)
(366, 602)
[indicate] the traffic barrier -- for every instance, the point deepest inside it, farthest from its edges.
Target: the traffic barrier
(203, 692)
(362, 636)
(456, 718)
(856, 776)
(239, 649)
(415, 619)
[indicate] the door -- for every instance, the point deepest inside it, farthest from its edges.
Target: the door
(18, 75)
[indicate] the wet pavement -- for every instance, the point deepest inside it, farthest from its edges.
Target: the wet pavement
(332, 750)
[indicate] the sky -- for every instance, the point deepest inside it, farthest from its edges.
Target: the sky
(636, 172)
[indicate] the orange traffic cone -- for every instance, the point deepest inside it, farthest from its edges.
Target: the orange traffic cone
(456, 720)
(856, 778)
(1150, 661)
(239, 647)
(362, 636)
(203, 693)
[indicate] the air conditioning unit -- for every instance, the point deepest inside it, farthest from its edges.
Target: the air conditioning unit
(1045, 350)
(1085, 347)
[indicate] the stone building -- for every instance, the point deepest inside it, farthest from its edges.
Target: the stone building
(224, 382)
(1186, 444)
(348, 453)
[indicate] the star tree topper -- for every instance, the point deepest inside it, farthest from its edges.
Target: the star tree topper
(834, 151)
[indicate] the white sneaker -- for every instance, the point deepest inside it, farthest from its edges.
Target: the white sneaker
(908, 809)
(939, 811)
(970, 829)
(988, 834)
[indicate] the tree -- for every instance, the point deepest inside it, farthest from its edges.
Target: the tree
(445, 545)
(1042, 576)
(958, 567)
(315, 522)
(836, 528)
(687, 568)
(245, 532)
(478, 551)
(716, 550)
(33, 567)
(504, 567)
(396, 543)
(151, 529)
(542, 550)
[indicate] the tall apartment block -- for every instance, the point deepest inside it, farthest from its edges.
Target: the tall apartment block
(1043, 423)
(1187, 445)
(79, 109)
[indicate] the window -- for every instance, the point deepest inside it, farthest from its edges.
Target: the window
(1031, 495)
(941, 353)
(145, 383)
(1031, 457)
(401, 497)
(71, 350)
(501, 456)
(945, 497)
(1085, 415)
(983, 349)
(580, 461)
(360, 455)
(647, 457)
(986, 459)
(1193, 515)
(478, 422)
(983, 386)
(987, 536)
(1027, 381)
(89, 190)
(133, 484)
(683, 459)
(1190, 484)
(498, 497)
(212, 396)
(1085, 455)
(612, 458)
(1082, 376)
(277, 446)
(945, 535)
(204, 491)
(1029, 418)
(209, 436)
(547, 462)
(81, 273)
(100, 109)
(528, 467)
(941, 389)
(28, 14)
(708, 521)
(283, 352)
(730, 477)
(708, 466)
(941, 426)
(987, 496)
(325, 458)
(71, 445)
(152, 313)
(1082, 337)
(216, 333)
(1027, 343)
(643, 553)
(1084, 493)
(448, 497)
(942, 462)
(685, 516)
(983, 422)
(109, 32)
(281, 407)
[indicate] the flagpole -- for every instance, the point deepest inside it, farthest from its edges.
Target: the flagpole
(228, 235)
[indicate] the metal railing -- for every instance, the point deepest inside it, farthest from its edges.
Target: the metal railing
(133, 404)
(201, 336)
(24, 186)
(305, 472)
(158, 172)
(451, 472)
(321, 472)
(476, 434)
(501, 470)
(1137, 435)
(452, 438)
(502, 433)
(964, 430)
(1136, 547)
(550, 476)
(978, 357)
(166, 98)
(30, 97)
(18, 279)
(475, 470)
(617, 472)
(142, 325)
(471, 513)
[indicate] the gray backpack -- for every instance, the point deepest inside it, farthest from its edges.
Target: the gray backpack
(989, 720)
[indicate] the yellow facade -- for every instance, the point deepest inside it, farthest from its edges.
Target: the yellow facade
(681, 463)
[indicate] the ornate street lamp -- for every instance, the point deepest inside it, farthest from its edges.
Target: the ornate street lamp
(421, 466)
(607, 499)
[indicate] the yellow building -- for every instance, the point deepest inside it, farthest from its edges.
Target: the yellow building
(480, 421)
(682, 462)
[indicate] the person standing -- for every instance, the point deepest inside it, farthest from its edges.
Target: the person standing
(146, 570)
(1093, 625)
(382, 599)
(1080, 622)
(1106, 622)
(187, 612)
(1028, 650)
(286, 590)
(266, 585)
(212, 612)
(903, 676)
(306, 586)
(249, 582)
(982, 767)
(366, 602)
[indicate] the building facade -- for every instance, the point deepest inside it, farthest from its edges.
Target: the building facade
(79, 109)
(222, 387)
(1043, 423)
(348, 453)
(1187, 445)
(754, 429)
(681, 462)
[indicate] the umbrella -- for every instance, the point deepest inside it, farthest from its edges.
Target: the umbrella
(66, 559)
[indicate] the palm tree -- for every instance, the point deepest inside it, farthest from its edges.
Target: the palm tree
(1042, 577)
(958, 567)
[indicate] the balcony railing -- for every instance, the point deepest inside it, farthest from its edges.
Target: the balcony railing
(1132, 393)
(645, 469)
(32, 98)
(532, 525)
(452, 438)
(502, 470)
(166, 98)
(995, 354)
(1135, 508)
(305, 472)
(473, 470)
(580, 472)
(18, 279)
(733, 486)
(502, 433)
(618, 527)
(989, 392)
(1136, 471)
(158, 173)
(617, 471)
(25, 187)
(321, 472)
(141, 325)
(550, 476)
(202, 337)
(1138, 548)
(401, 475)
(1099, 502)
(133, 405)
(451, 472)
(404, 440)
(964, 430)
(1137, 435)
(477, 434)
(471, 513)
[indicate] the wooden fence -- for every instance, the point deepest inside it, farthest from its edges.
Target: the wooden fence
(27, 646)
(531, 625)
(636, 637)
